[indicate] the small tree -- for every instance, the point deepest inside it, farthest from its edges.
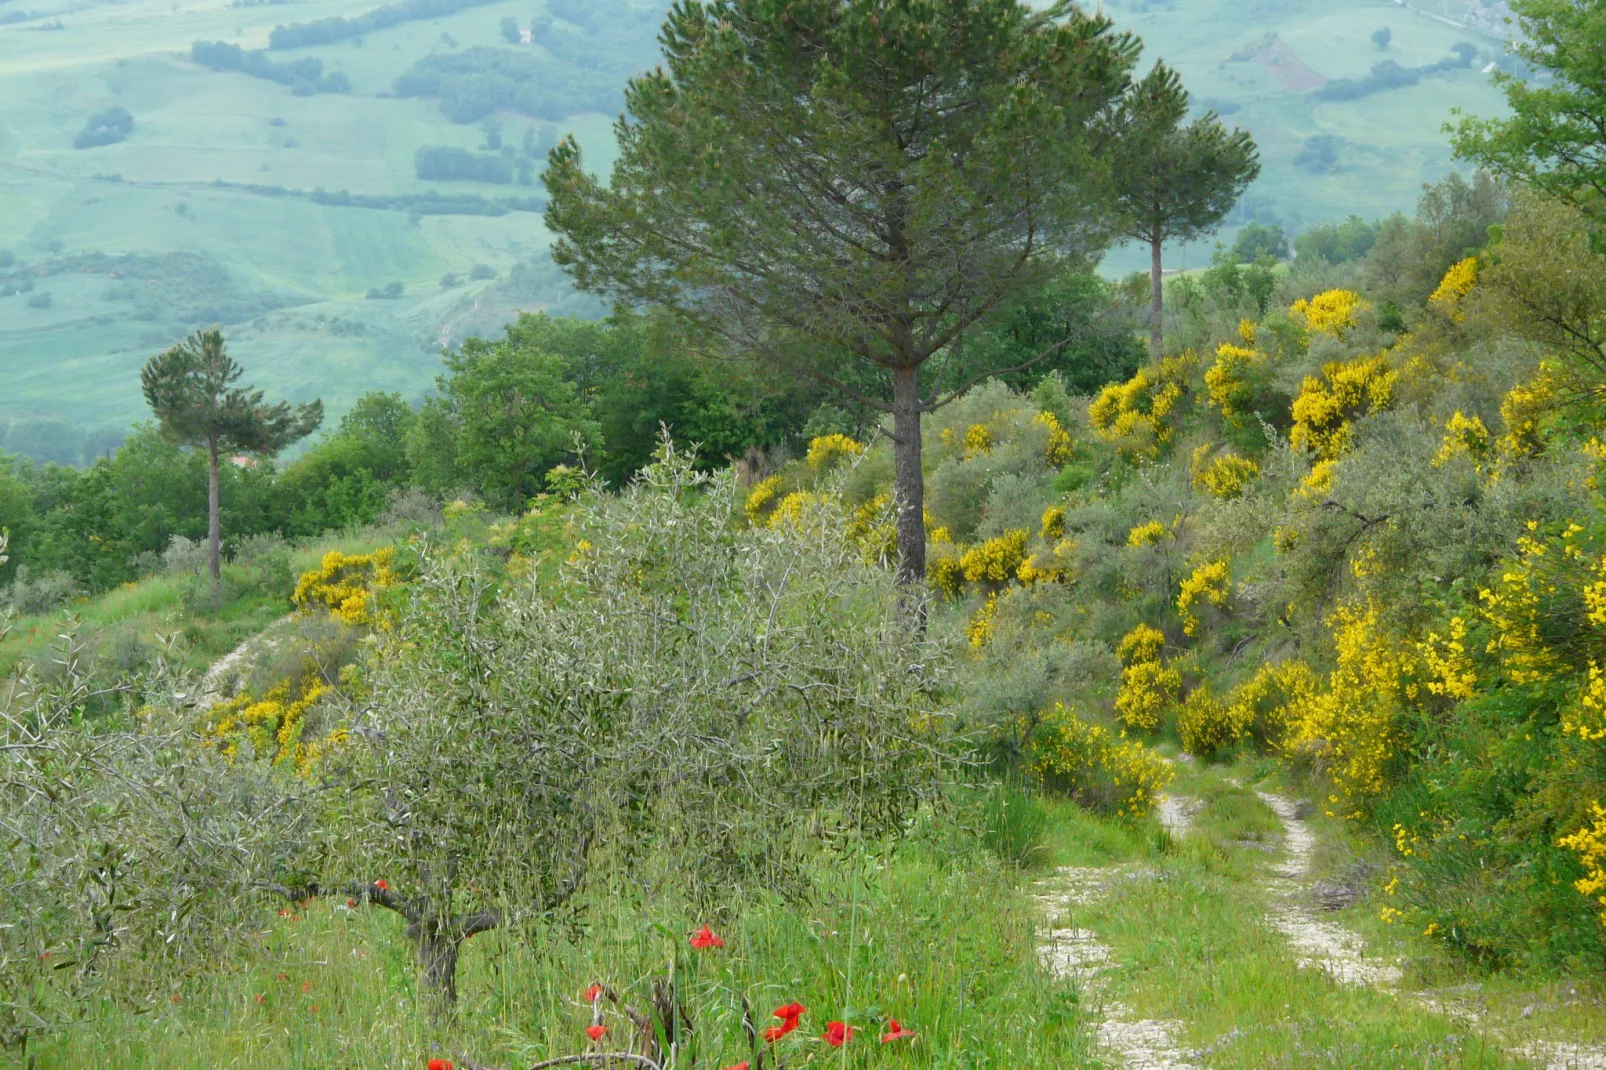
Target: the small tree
(1176, 182)
(190, 389)
(1381, 38)
(844, 188)
(1553, 139)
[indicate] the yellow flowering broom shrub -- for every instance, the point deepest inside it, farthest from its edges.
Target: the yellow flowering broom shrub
(1228, 386)
(1226, 477)
(1326, 406)
(1095, 767)
(273, 725)
(1332, 312)
(826, 450)
(1464, 436)
(1147, 534)
(1456, 284)
(1208, 584)
(760, 498)
(1149, 687)
(997, 560)
(1060, 444)
(1206, 724)
(1267, 702)
(346, 585)
(1140, 414)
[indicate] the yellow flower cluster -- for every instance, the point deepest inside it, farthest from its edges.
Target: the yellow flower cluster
(761, 497)
(1053, 524)
(1206, 724)
(1054, 566)
(1227, 477)
(1148, 686)
(1267, 702)
(1448, 667)
(1208, 584)
(870, 526)
(346, 584)
(1226, 387)
(1350, 725)
(1455, 285)
(1587, 719)
(1464, 436)
(1589, 843)
(1096, 768)
(1326, 405)
(1523, 407)
(1060, 445)
(273, 725)
(826, 450)
(1139, 413)
(978, 440)
(997, 560)
(1515, 607)
(980, 630)
(1146, 534)
(1331, 313)
(947, 575)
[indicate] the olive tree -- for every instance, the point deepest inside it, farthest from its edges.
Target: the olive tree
(691, 694)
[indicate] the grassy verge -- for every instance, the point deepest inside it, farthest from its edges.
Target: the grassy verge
(939, 936)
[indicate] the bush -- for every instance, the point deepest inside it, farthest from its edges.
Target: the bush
(29, 595)
(105, 128)
(39, 300)
(1090, 764)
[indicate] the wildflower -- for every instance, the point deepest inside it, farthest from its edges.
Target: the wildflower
(351, 904)
(382, 885)
(895, 1031)
(284, 913)
(705, 938)
(837, 1034)
(440, 1064)
(738, 1066)
(789, 1016)
(593, 993)
(596, 1032)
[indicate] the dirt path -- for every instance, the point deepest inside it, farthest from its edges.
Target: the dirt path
(211, 689)
(1320, 944)
(1078, 954)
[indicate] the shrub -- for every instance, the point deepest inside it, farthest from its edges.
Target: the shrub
(1100, 771)
(105, 128)
(1140, 414)
(1326, 407)
(1208, 584)
(1206, 724)
(347, 585)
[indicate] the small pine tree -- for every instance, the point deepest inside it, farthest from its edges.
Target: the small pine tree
(190, 390)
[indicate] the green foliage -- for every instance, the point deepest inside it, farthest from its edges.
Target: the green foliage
(1552, 140)
(506, 414)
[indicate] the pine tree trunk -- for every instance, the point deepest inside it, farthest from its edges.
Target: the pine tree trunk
(908, 482)
(1156, 301)
(214, 524)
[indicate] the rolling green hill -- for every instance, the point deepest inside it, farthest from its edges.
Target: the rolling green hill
(222, 204)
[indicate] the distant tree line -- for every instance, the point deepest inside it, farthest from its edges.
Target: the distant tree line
(478, 81)
(427, 203)
(336, 28)
(446, 163)
(105, 128)
(1388, 74)
(304, 76)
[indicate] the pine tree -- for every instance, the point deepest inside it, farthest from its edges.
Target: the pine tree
(191, 390)
(842, 189)
(1175, 182)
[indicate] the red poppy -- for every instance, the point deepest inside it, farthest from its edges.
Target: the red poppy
(896, 1032)
(790, 1012)
(592, 993)
(382, 885)
(704, 938)
(738, 1066)
(776, 1032)
(440, 1064)
(837, 1034)
(284, 913)
(596, 1032)
(351, 904)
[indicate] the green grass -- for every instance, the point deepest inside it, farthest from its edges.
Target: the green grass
(153, 608)
(942, 940)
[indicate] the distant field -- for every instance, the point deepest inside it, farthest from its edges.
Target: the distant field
(288, 277)
(293, 273)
